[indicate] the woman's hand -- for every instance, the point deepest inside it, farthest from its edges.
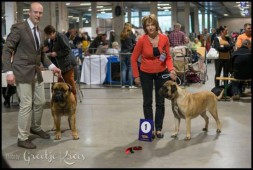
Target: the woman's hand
(137, 81)
(173, 75)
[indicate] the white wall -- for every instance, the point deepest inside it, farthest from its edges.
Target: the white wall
(233, 24)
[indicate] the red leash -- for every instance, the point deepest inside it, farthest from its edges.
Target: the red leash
(131, 149)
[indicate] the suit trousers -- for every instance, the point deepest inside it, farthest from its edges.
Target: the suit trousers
(32, 100)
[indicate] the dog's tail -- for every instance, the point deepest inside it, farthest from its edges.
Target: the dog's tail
(221, 95)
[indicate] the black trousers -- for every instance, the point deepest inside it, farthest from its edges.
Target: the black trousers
(219, 65)
(147, 82)
(8, 92)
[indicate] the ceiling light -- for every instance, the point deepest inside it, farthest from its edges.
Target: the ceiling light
(225, 14)
(85, 4)
(67, 3)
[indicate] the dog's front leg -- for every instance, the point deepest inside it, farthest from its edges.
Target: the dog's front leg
(73, 126)
(188, 128)
(57, 121)
(176, 130)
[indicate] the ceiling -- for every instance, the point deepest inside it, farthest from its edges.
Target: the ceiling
(218, 8)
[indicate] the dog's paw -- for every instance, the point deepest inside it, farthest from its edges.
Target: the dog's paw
(218, 131)
(205, 129)
(75, 137)
(57, 136)
(187, 138)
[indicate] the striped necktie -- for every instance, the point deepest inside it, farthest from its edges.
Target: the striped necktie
(36, 38)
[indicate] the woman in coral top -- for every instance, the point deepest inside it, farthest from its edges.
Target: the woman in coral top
(156, 61)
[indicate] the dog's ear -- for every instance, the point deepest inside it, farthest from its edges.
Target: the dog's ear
(70, 87)
(173, 88)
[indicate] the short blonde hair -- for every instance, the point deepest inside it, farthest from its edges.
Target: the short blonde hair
(177, 24)
(151, 19)
(115, 44)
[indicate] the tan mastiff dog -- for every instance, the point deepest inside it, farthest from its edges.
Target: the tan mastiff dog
(187, 106)
(63, 103)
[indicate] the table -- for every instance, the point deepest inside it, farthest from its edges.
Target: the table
(94, 69)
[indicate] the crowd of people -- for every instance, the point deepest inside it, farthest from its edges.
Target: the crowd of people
(147, 71)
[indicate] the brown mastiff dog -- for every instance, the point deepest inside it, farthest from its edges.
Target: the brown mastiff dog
(63, 103)
(188, 106)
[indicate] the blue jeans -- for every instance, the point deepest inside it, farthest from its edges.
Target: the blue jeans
(126, 70)
(147, 81)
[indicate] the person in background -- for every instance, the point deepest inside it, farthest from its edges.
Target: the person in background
(48, 48)
(242, 68)
(85, 38)
(63, 54)
(223, 45)
(245, 35)
(176, 37)
(213, 35)
(74, 38)
(102, 49)
(25, 41)
(206, 39)
(156, 61)
(99, 40)
(9, 90)
(111, 38)
(196, 43)
(114, 50)
(127, 39)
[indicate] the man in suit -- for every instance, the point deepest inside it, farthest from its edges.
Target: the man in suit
(25, 43)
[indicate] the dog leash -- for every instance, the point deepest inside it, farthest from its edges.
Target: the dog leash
(131, 149)
(165, 76)
(60, 77)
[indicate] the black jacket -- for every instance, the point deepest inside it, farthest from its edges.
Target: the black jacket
(65, 58)
(241, 61)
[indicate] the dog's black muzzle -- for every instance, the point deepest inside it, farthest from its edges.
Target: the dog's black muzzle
(58, 96)
(163, 92)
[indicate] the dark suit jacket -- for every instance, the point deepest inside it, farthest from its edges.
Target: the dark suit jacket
(27, 59)
(242, 63)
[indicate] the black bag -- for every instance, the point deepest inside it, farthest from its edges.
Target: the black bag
(9, 90)
(217, 90)
(192, 77)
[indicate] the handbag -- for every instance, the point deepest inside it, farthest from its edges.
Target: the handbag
(212, 54)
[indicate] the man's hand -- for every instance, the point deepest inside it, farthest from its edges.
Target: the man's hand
(56, 71)
(45, 49)
(53, 54)
(10, 78)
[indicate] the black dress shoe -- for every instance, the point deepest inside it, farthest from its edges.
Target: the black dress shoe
(26, 144)
(159, 134)
(41, 133)
(153, 136)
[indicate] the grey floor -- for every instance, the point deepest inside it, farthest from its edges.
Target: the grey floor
(108, 123)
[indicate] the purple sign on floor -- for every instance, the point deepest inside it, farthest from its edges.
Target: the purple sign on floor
(145, 130)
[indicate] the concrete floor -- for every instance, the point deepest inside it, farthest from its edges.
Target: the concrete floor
(108, 123)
